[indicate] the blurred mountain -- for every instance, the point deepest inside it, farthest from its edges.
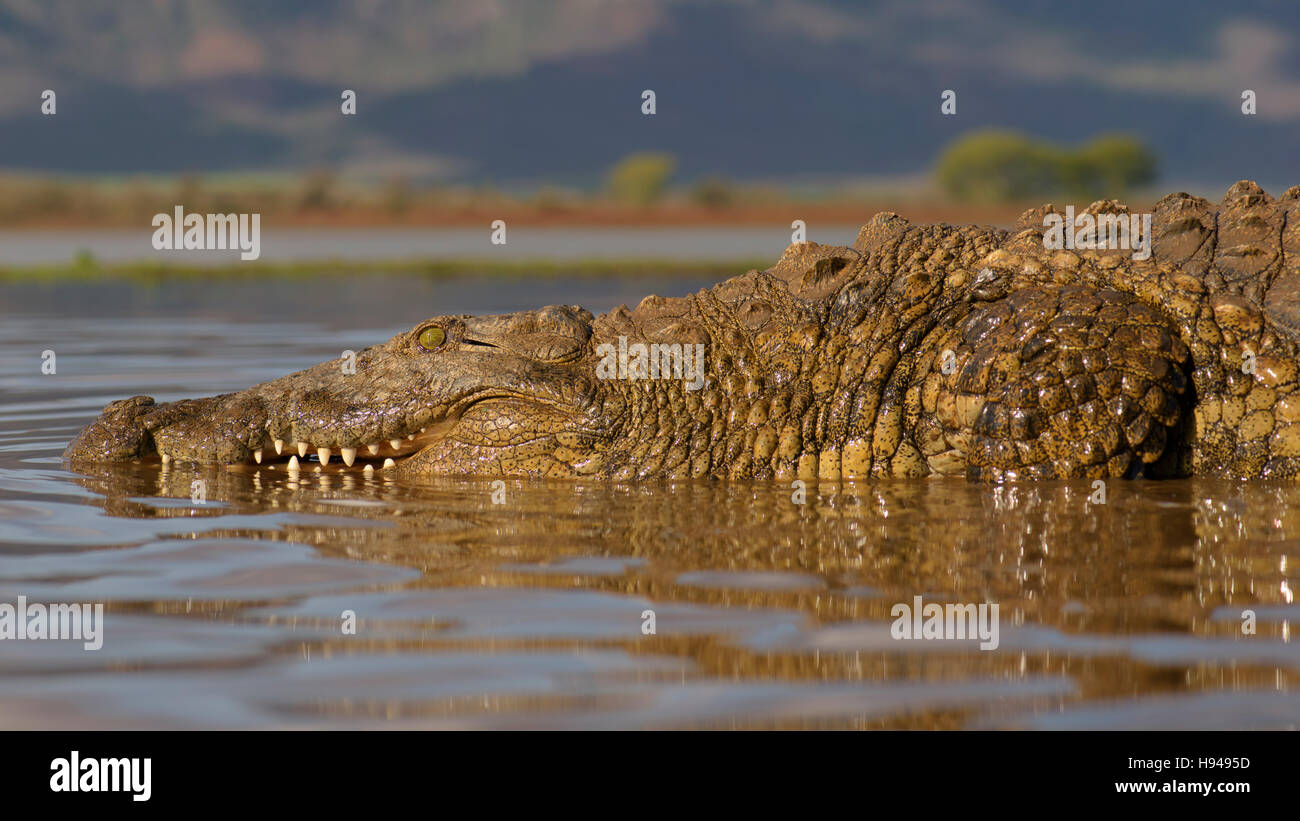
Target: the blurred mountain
(515, 93)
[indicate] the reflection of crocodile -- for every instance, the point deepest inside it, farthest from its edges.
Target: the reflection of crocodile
(920, 350)
(1198, 547)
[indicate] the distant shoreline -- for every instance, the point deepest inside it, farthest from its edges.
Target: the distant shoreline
(360, 247)
(507, 269)
(581, 215)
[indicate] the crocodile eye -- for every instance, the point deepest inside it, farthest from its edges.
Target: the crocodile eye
(432, 338)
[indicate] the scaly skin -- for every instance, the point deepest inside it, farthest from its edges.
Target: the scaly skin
(833, 364)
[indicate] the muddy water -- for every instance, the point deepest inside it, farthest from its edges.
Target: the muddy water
(532, 613)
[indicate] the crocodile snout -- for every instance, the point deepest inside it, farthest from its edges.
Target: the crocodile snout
(119, 432)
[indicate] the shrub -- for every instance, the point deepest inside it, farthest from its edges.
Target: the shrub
(998, 166)
(640, 179)
(994, 166)
(1111, 166)
(713, 192)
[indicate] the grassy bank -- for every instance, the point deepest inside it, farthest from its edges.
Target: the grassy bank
(506, 269)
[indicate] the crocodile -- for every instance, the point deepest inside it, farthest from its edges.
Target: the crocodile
(919, 350)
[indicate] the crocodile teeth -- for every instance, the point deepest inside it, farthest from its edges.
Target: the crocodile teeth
(369, 468)
(349, 455)
(388, 463)
(324, 455)
(394, 443)
(257, 456)
(166, 458)
(374, 449)
(293, 464)
(279, 446)
(302, 449)
(412, 436)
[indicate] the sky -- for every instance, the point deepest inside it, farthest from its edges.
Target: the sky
(489, 92)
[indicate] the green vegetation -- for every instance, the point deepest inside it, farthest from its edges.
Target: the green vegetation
(996, 166)
(1111, 166)
(1002, 166)
(640, 179)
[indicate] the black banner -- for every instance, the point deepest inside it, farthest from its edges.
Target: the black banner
(134, 771)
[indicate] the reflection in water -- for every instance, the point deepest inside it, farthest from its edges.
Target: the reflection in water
(1136, 598)
(767, 613)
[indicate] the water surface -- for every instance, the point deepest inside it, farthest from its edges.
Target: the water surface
(530, 613)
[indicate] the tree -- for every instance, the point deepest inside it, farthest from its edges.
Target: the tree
(994, 166)
(1113, 165)
(641, 178)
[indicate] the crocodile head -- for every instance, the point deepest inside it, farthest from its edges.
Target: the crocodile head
(455, 394)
